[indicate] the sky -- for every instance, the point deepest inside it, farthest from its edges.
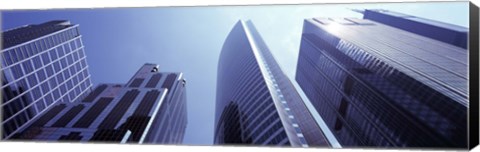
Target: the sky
(118, 41)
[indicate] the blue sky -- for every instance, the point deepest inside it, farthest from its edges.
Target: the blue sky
(189, 39)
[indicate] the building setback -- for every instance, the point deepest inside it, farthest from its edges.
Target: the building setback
(41, 65)
(150, 108)
(378, 85)
(256, 102)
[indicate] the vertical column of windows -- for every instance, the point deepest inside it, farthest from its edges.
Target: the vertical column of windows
(92, 113)
(119, 110)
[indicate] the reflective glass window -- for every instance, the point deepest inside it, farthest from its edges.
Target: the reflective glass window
(53, 54)
(45, 87)
(45, 58)
(17, 71)
(56, 66)
(81, 53)
(37, 63)
(49, 70)
(53, 82)
(67, 48)
(63, 62)
(72, 45)
(60, 78)
(32, 80)
(13, 56)
(27, 66)
(60, 51)
(78, 42)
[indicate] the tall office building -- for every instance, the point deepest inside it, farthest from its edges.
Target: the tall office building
(256, 102)
(41, 65)
(150, 108)
(378, 85)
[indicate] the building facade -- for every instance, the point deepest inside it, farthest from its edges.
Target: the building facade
(256, 103)
(150, 108)
(447, 33)
(41, 65)
(379, 85)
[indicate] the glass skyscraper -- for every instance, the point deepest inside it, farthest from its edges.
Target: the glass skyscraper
(150, 108)
(41, 65)
(383, 84)
(256, 103)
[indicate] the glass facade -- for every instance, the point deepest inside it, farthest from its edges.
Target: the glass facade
(41, 65)
(256, 103)
(448, 33)
(137, 112)
(377, 85)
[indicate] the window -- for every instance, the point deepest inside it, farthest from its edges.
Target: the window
(24, 52)
(36, 93)
(57, 39)
(56, 94)
(17, 71)
(69, 84)
(27, 66)
(66, 74)
(60, 78)
(8, 57)
(45, 58)
(53, 54)
(63, 62)
(53, 82)
(136, 82)
(22, 84)
(78, 66)
(72, 70)
(45, 88)
(37, 63)
(84, 64)
(49, 70)
(61, 51)
(85, 73)
(67, 48)
(41, 43)
(81, 53)
(75, 56)
(56, 66)
(50, 42)
(40, 105)
(48, 99)
(31, 46)
(54, 40)
(70, 59)
(63, 89)
(13, 56)
(21, 55)
(72, 45)
(94, 111)
(41, 74)
(75, 80)
(78, 41)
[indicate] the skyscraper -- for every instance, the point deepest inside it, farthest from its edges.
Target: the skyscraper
(378, 84)
(150, 108)
(256, 102)
(41, 65)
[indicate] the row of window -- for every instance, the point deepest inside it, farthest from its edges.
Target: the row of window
(36, 65)
(47, 74)
(42, 98)
(22, 52)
